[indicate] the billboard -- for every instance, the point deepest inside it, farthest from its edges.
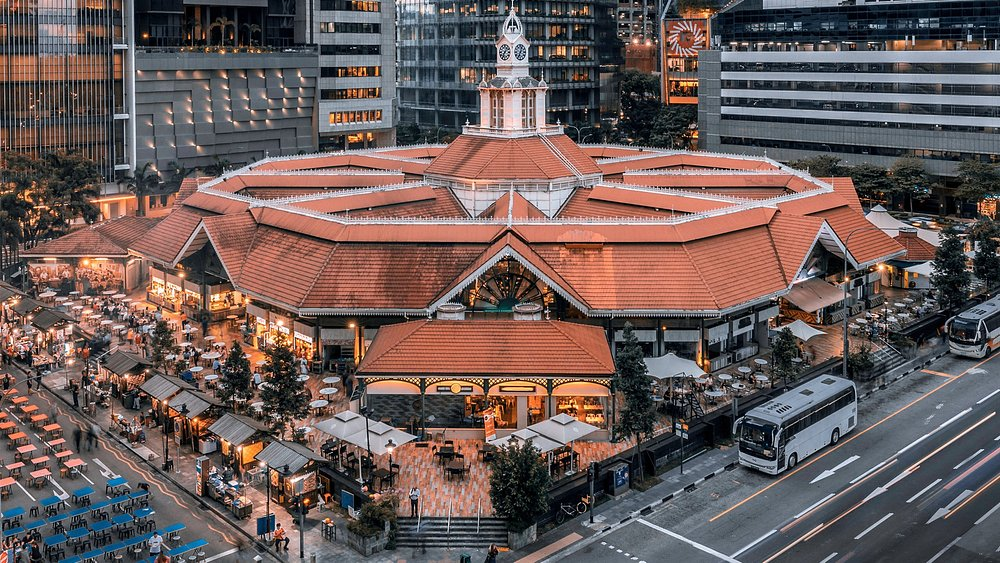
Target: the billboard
(685, 37)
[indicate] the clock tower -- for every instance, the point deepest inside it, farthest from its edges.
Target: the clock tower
(512, 103)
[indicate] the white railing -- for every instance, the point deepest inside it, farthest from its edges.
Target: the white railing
(479, 514)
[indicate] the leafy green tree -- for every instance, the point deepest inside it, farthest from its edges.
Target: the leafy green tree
(783, 352)
(871, 181)
(910, 178)
(950, 276)
(408, 134)
(640, 105)
(218, 167)
(519, 484)
(986, 263)
(143, 182)
(636, 417)
(284, 396)
(236, 377)
(821, 166)
(672, 126)
(977, 179)
(861, 362)
(162, 344)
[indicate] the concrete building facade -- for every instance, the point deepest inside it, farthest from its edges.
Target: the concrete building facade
(867, 82)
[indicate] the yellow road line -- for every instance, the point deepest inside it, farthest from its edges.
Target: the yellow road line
(939, 373)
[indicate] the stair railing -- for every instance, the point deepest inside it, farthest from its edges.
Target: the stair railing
(450, 503)
(420, 513)
(479, 514)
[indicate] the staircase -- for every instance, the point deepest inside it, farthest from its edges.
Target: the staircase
(887, 358)
(434, 533)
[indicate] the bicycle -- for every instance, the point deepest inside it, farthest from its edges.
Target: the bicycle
(572, 511)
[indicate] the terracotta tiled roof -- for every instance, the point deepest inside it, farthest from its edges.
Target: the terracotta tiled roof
(164, 242)
(318, 182)
(103, 240)
(231, 236)
(188, 186)
(684, 161)
(867, 245)
(493, 348)
(845, 188)
(414, 152)
(513, 205)
(526, 158)
(410, 201)
(580, 205)
(651, 198)
(214, 203)
(793, 238)
(354, 161)
(917, 249)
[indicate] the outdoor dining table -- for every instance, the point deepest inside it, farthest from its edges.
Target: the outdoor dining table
(744, 370)
(14, 469)
(24, 450)
(52, 544)
(61, 454)
(115, 483)
(211, 377)
(331, 380)
(51, 502)
(38, 477)
(725, 377)
(54, 429)
(456, 467)
(34, 525)
(899, 305)
(47, 294)
(761, 362)
(761, 378)
(714, 396)
(18, 438)
(28, 409)
(19, 400)
(861, 322)
(37, 419)
(82, 495)
(74, 467)
(328, 391)
(319, 405)
(40, 461)
(6, 426)
(738, 386)
(122, 519)
(5, 486)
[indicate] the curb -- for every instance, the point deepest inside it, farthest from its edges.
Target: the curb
(917, 364)
(687, 489)
(158, 471)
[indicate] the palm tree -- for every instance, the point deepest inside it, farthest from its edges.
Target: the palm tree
(222, 23)
(251, 29)
(190, 26)
(142, 182)
(177, 174)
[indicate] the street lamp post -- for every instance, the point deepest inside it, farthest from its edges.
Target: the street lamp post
(846, 282)
(166, 438)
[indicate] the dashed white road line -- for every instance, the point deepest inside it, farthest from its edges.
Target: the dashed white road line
(829, 557)
(873, 526)
(946, 548)
(968, 459)
(107, 472)
(869, 472)
(25, 491)
(987, 398)
(812, 506)
(987, 515)
(922, 491)
(751, 545)
(692, 543)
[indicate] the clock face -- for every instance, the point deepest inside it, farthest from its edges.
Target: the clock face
(520, 52)
(505, 52)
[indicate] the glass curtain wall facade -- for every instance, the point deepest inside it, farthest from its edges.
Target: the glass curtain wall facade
(445, 48)
(865, 82)
(61, 79)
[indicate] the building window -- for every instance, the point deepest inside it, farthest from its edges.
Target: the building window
(362, 116)
(496, 105)
(350, 5)
(350, 71)
(349, 27)
(351, 94)
(350, 50)
(468, 75)
(528, 109)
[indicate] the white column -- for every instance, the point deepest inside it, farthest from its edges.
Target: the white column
(512, 109)
(484, 108)
(540, 108)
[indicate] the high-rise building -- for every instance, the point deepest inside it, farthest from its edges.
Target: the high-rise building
(62, 64)
(357, 82)
(636, 21)
(444, 46)
(862, 80)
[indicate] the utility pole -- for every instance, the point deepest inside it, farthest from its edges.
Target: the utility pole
(591, 477)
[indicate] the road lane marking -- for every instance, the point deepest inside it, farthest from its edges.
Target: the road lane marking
(968, 459)
(922, 491)
(692, 543)
(25, 491)
(947, 509)
(974, 495)
(829, 557)
(791, 545)
(946, 548)
(866, 473)
(831, 472)
(986, 398)
(987, 515)
(939, 373)
(873, 526)
(847, 441)
(931, 433)
(970, 470)
(751, 545)
(955, 439)
(220, 556)
(107, 472)
(819, 502)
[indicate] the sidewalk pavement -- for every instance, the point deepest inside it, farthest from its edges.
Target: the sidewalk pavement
(698, 468)
(184, 477)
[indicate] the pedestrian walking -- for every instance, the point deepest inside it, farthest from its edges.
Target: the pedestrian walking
(491, 554)
(92, 436)
(155, 544)
(77, 436)
(75, 390)
(6, 380)
(414, 501)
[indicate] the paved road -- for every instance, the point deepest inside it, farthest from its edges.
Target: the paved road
(110, 459)
(918, 480)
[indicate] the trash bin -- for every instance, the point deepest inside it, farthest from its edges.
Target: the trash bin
(465, 558)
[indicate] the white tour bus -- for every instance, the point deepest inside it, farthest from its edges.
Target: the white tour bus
(975, 332)
(784, 431)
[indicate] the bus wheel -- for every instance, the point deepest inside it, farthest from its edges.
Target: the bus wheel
(792, 460)
(835, 437)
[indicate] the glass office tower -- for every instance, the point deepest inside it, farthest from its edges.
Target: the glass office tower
(61, 79)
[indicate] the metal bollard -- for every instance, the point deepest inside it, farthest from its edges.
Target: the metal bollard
(312, 558)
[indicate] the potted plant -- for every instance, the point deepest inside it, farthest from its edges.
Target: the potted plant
(375, 528)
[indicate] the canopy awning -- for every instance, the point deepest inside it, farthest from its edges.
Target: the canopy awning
(49, 318)
(813, 294)
(121, 362)
(801, 330)
(376, 436)
(236, 429)
(277, 455)
(672, 365)
(162, 387)
(7, 291)
(196, 403)
(922, 269)
(543, 444)
(343, 424)
(563, 428)
(27, 306)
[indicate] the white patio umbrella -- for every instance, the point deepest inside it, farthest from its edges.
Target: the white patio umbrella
(376, 438)
(544, 445)
(342, 425)
(671, 366)
(564, 429)
(801, 330)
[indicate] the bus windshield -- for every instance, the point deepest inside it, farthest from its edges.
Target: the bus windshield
(758, 432)
(964, 330)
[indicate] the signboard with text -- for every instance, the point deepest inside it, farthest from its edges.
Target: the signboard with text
(490, 426)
